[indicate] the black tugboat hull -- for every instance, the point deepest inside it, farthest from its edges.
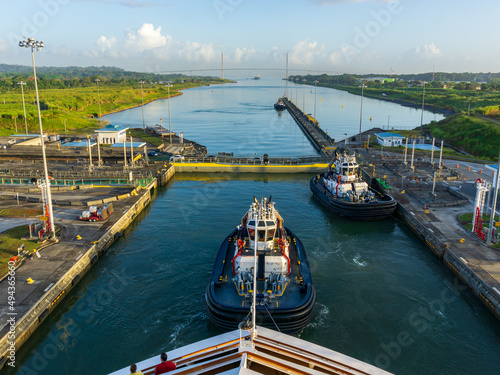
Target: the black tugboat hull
(289, 319)
(372, 211)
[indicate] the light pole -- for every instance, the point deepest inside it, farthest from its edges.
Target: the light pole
(315, 82)
(31, 43)
(24, 106)
(361, 110)
(142, 99)
(422, 116)
(388, 119)
(169, 118)
(304, 95)
(296, 89)
(494, 203)
(99, 98)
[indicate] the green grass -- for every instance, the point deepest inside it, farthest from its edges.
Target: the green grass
(10, 241)
(467, 218)
(148, 137)
(486, 102)
(20, 212)
(472, 134)
(78, 107)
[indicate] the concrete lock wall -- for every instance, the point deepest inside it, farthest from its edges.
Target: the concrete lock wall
(447, 255)
(35, 316)
(244, 168)
(477, 286)
(28, 324)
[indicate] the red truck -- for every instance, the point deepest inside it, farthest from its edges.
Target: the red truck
(96, 214)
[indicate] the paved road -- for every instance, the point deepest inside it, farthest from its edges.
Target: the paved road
(7, 223)
(471, 171)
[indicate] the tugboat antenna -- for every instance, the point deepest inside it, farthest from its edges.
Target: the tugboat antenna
(254, 302)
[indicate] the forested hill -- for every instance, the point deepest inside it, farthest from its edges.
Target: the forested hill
(451, 77)
(75, 76)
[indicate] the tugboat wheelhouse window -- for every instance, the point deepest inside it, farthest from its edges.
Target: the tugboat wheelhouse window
(265, 232)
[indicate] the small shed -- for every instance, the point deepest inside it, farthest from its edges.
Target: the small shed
(390, 139)
(112, 134)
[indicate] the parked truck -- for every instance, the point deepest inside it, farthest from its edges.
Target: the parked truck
(96, 214)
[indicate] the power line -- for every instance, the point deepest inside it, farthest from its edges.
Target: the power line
(317, 71)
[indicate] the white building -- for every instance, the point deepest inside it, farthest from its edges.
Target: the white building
(390, 139)
(112, 134)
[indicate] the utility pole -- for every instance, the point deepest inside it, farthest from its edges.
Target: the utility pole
(99, 99)
(315, 82)
(286, 76)
(169, 118)
(32, 44)
(125, 152)
(89, 142)
(99, 163)
(132, 163)
(432, 152)
(422, 116)
(142, 99)
(24, 106)
(222, 58)
(494, 204)
(361, 110)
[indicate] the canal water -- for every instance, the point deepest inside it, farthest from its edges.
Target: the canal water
(240, 117)
(382, 296)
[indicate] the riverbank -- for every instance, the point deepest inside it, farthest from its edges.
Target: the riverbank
(357, 91)
(78, 109)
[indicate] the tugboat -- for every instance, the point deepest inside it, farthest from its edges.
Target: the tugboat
(261, 255)
(344, 192)
(279, 105)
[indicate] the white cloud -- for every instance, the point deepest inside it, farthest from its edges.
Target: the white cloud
(304, 52)
(341, 55)
(243, 54)
(105, 44)
(428, 51)
(149, 42)
(194, 51)
(147, 37)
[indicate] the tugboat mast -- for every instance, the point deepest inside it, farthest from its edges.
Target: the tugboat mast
(254, 302)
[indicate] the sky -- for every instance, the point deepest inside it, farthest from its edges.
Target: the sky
(325, 36)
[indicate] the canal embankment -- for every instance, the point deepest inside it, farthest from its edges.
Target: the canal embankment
(319, 139)
(431, 211)
(41, 283)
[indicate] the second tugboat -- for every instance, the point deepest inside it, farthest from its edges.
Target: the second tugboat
(264, 257)
(344, 192)
(279, 105)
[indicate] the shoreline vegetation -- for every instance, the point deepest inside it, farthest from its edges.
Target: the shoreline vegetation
(74, 110)
(472, 122)
(71, 101)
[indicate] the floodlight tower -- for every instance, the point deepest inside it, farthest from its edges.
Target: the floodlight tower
(31, 43)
